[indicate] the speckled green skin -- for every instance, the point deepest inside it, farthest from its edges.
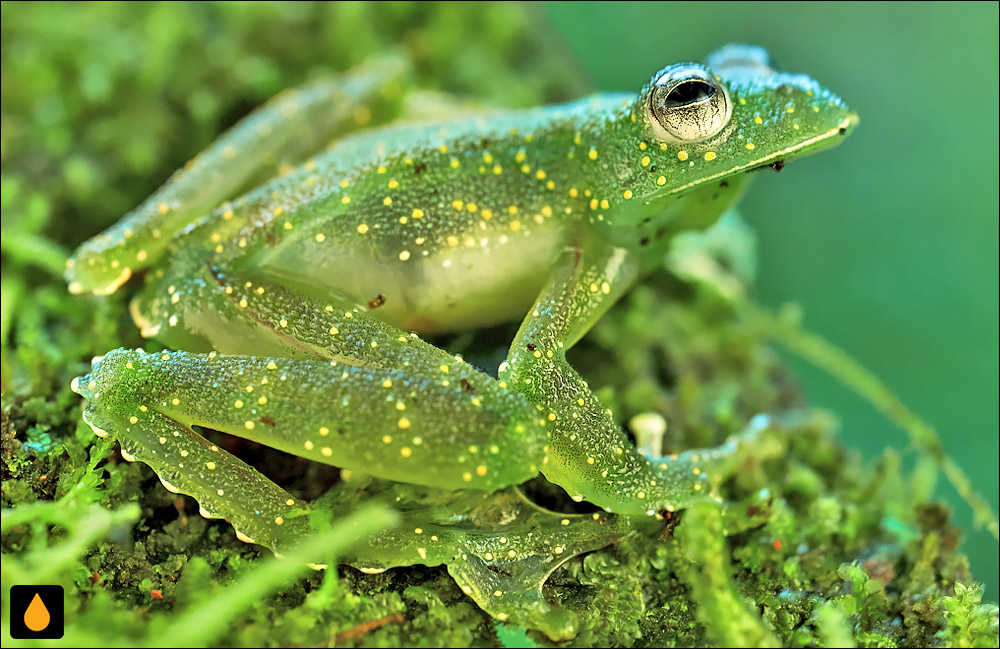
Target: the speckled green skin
(456, 222)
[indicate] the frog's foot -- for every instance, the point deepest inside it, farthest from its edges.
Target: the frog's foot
(499, 547)
(225, 487)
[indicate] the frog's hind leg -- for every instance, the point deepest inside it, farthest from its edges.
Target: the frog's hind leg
(281, 133)
(343, 388)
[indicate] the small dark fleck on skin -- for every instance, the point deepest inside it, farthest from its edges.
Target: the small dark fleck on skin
(531, 347)
(468, 387)
(644, 241)
(723, 184)
(267, 420)
(778, 165)
(843, 131)
(498, 571)
(340, 431)
(376, 301)
(419, 168)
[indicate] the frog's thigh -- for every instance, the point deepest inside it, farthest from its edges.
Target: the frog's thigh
(199, 307)
(407, 424)
(276, 136)
(589, 455)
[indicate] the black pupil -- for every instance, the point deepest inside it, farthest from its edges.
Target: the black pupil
(688, 92)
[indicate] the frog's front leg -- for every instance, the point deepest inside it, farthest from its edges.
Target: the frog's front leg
(589, 455)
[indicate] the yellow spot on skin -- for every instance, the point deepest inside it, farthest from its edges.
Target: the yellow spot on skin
(362, 228)
(133, 419)
(227, 215)
(393, 184)
(758, 120)
(487, 214)
(452, 240)
(443, 148)
(326, 451)
(387, 201)
(515, 225)
(573, 192)
(403, 256)
(709, 156)
(406, 451)
(381, 169)
(210, 465)
(790, 109)
(467, 477)
(162, 208)
(605, 204)
(344, 183)
(345, 200)
(481, 470)
(592, 154)
(238, 403)
(262, 400)
(645, 161)
(320, 238)
(248, 424)
(403, 423)
(662, 180)
(417, 213)
(750, 146)
(682, 155)
(279, 520)
(141, 255)
(308, 445)
(176, 402)
(334, 331)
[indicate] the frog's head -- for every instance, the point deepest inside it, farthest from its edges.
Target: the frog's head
(695, 126)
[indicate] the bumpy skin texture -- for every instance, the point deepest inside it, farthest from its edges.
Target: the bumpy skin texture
(299, 302)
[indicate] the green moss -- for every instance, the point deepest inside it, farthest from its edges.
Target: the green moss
(101, 102)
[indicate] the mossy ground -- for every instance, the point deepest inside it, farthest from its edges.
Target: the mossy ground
(102, 102)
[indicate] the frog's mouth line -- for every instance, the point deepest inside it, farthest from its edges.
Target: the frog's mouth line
(778, 156)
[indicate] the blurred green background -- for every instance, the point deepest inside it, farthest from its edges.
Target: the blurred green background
(889, 242)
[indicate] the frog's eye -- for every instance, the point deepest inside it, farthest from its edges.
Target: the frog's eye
(687, 105)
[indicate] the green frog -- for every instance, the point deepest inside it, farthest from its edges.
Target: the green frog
(296, 262)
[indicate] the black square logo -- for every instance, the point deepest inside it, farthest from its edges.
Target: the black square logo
(36, 612)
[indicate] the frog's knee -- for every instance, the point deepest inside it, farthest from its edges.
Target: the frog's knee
(114, 379)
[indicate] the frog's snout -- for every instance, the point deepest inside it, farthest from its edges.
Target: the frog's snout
(848, 123)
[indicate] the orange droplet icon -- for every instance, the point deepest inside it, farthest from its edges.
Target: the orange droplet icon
(36, 617)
